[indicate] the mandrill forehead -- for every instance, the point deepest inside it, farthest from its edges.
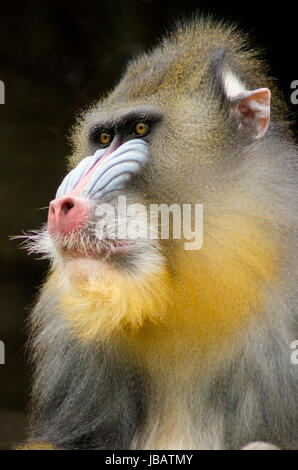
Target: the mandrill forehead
(182, 60)
(190, 61)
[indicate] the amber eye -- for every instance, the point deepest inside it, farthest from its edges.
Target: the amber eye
(141, 128)
(105, 138)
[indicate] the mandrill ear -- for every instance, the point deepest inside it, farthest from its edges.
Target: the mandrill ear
(250, 108)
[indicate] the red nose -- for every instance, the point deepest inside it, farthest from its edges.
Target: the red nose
(68, 214)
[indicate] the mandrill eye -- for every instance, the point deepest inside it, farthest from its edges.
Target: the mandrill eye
(141, 128)
(105, 138)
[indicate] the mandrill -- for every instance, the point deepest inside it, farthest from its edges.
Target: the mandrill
(145, 339)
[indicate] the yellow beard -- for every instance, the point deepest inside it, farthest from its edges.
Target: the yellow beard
(207, 296)
(111, 301)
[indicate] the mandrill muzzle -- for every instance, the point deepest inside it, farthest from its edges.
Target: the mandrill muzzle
(94, 177)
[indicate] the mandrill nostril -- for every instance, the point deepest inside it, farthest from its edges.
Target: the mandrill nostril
(68, 214)
(67, 206)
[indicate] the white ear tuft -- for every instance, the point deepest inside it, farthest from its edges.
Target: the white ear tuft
(232, 84)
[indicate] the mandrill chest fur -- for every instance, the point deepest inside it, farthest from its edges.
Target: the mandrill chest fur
(159, 328)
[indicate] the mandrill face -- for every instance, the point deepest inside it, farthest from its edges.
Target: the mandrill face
(108, 270)
(106, 214)
(85, 220)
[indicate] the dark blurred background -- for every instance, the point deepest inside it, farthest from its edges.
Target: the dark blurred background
(55, 57)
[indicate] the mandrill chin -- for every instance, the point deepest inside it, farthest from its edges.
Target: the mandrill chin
(170, 308)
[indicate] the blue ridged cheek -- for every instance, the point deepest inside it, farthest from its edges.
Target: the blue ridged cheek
(115, 171)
